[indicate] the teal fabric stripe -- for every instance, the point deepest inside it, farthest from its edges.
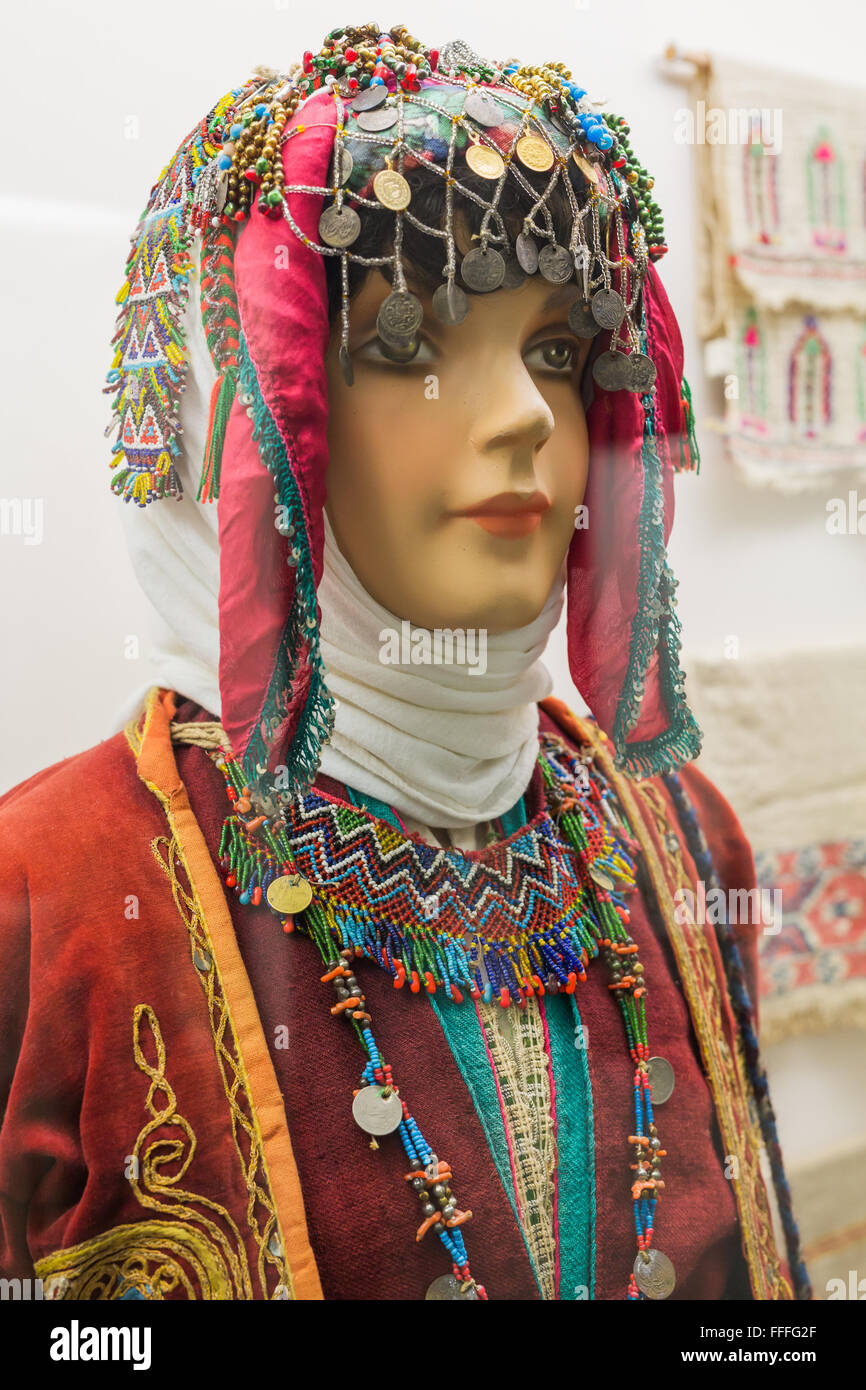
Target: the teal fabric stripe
(377, 808)
(514, 820)
(575, 1135)
(462, 1030)
(575, 1129)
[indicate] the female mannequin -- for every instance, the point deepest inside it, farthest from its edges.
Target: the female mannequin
(474, 852)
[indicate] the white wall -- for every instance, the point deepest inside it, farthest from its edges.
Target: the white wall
(749, 563)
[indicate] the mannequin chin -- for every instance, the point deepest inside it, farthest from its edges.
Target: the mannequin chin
(453, 480)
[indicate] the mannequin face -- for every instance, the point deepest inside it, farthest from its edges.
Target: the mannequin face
(504, 440)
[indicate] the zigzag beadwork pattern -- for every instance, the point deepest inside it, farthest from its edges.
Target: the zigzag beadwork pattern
(517, 917)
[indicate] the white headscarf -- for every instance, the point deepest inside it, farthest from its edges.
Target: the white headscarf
(443, 746)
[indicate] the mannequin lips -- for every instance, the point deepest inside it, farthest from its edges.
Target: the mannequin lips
(509, 514)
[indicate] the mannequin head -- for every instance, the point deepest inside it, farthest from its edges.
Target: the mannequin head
(487, 409)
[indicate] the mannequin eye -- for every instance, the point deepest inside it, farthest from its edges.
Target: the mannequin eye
(555, 356)
(420, 352)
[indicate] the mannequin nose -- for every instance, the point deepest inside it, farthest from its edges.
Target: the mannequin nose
(511, 413)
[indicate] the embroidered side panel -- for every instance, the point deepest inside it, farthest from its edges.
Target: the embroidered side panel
(515, 1042)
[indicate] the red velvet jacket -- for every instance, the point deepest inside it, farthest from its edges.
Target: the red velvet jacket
(153, 1138)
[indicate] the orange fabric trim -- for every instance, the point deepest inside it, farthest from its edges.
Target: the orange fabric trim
(157, 767)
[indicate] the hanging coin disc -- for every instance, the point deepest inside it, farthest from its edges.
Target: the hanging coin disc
(582, 321)
(611, 371)
(392, 190)
(381, 118)
(289, 894)
(339, 226)
(515, 275)
(527, 252)
(483, 270)
(399, 317)
(608, 308)
(643, 372)
(448, 1289)
(377, 1113)
(343, 158)
(482, 108)
(588, 170)
(555, 263)
(600, 878)
(450, 304)
(483, 161)
(346, 366)
(654, 1274)
(662, 1079)
(370, 97)
(534, 153)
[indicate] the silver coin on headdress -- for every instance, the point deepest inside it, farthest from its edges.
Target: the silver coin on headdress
(483, 270)
(611, 371)
(399, 317)
(482, 107)
(582, 321)
(370, 98)
(643, 372)
(515, 275)
(450, 304)
(339, 226)
(527, 252)
(608, 308)
(555, 263)
(380, 118)
(341, 170)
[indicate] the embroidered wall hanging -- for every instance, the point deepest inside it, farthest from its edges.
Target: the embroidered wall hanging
(782, 301)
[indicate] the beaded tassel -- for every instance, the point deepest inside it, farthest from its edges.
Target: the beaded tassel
(628, 987)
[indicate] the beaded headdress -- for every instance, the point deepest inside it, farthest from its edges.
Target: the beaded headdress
(283, 173)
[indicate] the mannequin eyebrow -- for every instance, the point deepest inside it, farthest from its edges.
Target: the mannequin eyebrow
(558, 298)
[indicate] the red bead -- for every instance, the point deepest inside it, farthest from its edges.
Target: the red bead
(350, 55)
(308, 60)
(434, 57)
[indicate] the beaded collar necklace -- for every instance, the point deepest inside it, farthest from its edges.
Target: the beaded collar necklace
(519, 918)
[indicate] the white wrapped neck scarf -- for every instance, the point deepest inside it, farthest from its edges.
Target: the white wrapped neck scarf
(445, 745)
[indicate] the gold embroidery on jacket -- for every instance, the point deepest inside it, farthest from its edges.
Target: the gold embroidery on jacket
(148, 1259)
(151, 1259)
(261, 1209)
